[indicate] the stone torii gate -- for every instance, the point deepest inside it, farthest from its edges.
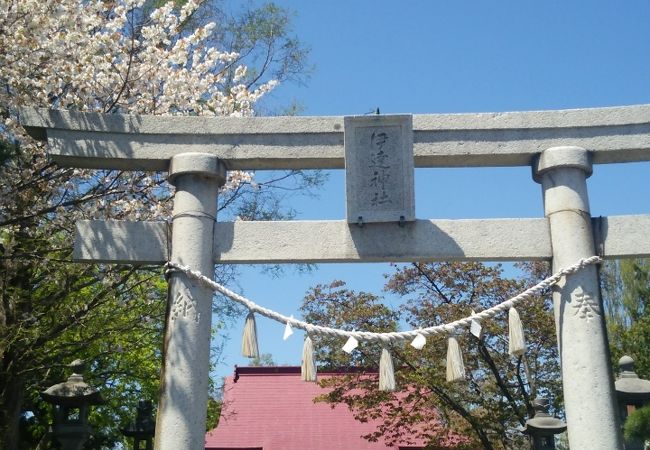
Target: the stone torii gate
(560, 146)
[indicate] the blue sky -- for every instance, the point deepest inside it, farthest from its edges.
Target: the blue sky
(451, 57)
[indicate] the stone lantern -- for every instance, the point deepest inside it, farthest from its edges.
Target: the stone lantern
(543, 427)
(72, 400)
(632, 393)
(143, 429)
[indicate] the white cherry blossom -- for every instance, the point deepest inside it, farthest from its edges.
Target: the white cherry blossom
(100, 56)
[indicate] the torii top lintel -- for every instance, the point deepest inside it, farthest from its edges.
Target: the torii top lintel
(115, 141)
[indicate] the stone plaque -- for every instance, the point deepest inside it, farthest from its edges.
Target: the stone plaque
(379, 168)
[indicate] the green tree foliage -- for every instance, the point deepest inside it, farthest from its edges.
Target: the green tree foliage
(53, 311)
(263, 38)
(626, 295)
(637, 425)
(486, 409)
(263, 360)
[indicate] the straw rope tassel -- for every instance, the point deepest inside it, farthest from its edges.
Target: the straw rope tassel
(249, 347)
(455, 366)
(308, 366)
(516, 341)
(387, 338)
(386, 372)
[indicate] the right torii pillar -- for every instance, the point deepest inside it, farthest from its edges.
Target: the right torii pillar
(588, 385)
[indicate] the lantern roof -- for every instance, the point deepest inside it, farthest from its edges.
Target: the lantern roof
(74, 391)
(629, 386)
(543, 424)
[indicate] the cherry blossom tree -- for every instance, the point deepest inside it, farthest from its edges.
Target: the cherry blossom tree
(118, 56)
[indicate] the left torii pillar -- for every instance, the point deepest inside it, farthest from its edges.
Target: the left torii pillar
(184, 379)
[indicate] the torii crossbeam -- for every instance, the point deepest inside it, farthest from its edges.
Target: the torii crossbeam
(560, 146)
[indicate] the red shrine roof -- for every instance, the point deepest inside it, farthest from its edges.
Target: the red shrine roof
(271, 408)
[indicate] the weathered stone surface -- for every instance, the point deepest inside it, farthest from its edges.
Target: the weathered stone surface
(620, 134)
(184, 379)
(201, 164)
(336, 241)
(587, 380)
(562, 156)
(421, 240)
(622, 236)
(379, 168)
(121, 241)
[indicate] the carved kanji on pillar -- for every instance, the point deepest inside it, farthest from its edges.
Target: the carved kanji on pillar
(585, 304)
(184, 306)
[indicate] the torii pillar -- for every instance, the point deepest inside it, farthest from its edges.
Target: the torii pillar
(184, 380)
(587, 380)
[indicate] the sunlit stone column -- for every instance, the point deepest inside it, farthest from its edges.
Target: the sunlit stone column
(589, 397)
(184, 381)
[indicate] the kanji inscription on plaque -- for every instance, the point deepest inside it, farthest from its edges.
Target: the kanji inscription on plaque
(379, 168)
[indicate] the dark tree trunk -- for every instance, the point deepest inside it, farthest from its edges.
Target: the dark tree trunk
(11, 404)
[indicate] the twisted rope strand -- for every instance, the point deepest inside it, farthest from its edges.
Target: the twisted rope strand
(391, 336)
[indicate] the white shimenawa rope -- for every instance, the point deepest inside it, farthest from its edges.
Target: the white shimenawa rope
(392, 336)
